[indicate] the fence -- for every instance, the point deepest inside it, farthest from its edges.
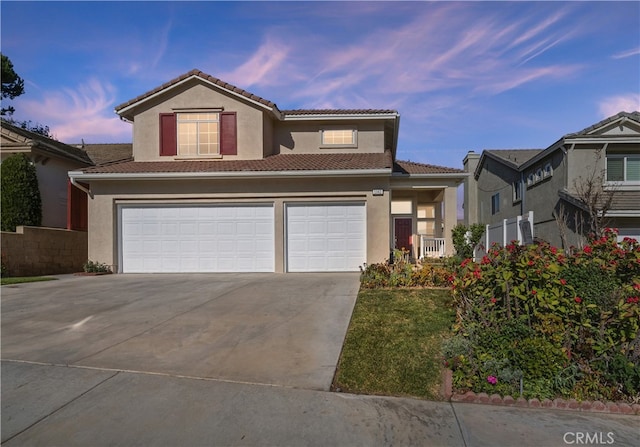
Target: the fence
(34, 251)
(519, 228)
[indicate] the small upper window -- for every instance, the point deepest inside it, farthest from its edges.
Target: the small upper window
(338, 137)
(495, 203)
(198, 133)
(517, 191)
(623, 168)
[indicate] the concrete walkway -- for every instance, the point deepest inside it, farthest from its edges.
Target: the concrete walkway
(44, 405)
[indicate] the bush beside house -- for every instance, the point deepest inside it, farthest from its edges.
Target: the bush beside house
(21, 203)
(533, 320)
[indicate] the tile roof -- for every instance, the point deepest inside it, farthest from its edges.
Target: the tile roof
(102, 154)
(514, 157)
(409, 167)
(274, 163)
(49, 145)
(302, 112)
(635, 116)
(249, 95)
(196, 72)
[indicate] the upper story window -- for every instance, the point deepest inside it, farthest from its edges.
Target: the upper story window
(339, 137)
(517, 191)
(495, 203)
(623, 168)
(198, 133)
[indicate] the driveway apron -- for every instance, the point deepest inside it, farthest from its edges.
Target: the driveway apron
(273, 329)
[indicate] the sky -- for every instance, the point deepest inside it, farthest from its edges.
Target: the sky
(463, 75)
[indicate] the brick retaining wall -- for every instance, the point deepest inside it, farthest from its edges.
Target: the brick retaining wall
(35, 251)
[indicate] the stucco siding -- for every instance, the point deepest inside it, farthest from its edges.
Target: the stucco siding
(195, 95)
(304, 136)
(103, 218)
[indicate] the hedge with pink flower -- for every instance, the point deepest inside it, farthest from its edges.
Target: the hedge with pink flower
(533, 319)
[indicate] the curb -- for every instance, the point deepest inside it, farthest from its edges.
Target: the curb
(555, 404)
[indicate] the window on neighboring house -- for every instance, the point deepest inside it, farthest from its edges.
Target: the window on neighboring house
(198, 134)
(623, 168)
(548, 170)
(338, 137)
(495, 203)
(426, 221)
(517, 191)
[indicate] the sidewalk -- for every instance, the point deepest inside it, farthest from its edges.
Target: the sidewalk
(58, 405)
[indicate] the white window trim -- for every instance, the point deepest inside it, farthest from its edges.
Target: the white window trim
(624, 182)
(517, 199)
(324, 145)
(198, 154)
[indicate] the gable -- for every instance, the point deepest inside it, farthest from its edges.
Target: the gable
(621, 124)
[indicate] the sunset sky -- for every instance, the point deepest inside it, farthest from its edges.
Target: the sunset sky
(463, 75)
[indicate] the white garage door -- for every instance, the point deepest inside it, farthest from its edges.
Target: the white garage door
(326, 237)
(197, 238)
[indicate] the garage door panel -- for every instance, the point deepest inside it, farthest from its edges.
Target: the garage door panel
(326, 237)
(197, 238)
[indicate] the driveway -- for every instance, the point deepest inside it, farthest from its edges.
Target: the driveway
(271, 329)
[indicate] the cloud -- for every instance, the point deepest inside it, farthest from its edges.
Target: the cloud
(620, 103)
(628, 53)
(82, 113)
(447, 47)
(264, 67)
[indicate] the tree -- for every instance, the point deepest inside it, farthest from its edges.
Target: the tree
(591, 203)
(466, 238)
(12, 84)
(21, 202)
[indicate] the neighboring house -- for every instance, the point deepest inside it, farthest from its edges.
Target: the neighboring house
(62, 205)
(223, 180)
(102, 154)
(508, 183)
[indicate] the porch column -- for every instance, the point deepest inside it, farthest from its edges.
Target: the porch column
(450, 216)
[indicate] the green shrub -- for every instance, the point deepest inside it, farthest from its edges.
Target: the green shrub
(21, 203)
(401, 273)
(96, 267)
(570, 325)
(466, 238)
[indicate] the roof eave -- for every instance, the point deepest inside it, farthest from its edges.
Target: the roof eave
(80, 175)
(344, 116)
(123, 111)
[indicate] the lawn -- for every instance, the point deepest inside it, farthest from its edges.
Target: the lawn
(23, 279)
(393, 343)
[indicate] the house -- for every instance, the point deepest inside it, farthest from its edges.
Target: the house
(507, 183)
(62, 205)
(223, 180)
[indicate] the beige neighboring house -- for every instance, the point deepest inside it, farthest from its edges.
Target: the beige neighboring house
(223, 180)
(62, 206)
(507, 183)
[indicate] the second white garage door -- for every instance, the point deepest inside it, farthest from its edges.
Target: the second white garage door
(197, 238)
(326, 237)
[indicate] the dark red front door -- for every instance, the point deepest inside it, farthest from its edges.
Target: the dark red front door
(402, 233)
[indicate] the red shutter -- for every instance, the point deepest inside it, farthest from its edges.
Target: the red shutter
(77, 212)
(228, 134)
(168, 140)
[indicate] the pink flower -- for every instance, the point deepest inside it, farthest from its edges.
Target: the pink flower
(563, 282)
(578, 299)
(587, 250)
(492, 380)
(493, 300)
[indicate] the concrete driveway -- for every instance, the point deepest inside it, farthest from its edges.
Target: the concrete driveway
(272, 329)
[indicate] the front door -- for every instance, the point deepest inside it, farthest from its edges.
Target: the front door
(403, 234)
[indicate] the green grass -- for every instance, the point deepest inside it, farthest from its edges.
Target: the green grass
(23, 279)
(393, 343)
